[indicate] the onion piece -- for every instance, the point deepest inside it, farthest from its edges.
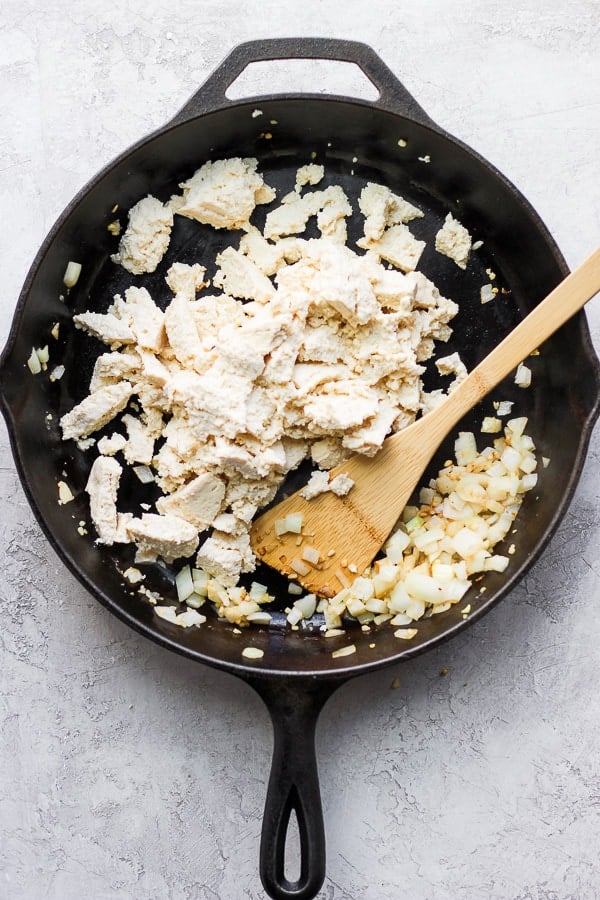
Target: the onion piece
(33, 363)
(293, 523)
(184, 583)
(253, 653)
(311, 555)
(72, 273)
(300, 567)
(523, 376)
(344, 651)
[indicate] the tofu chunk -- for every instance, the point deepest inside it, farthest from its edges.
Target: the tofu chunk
(382, 208)
(223, 193)
(398, 246)
(238, 276)
(226, 556)
(143, 316)
(309, 174)
(140, 444)
(106, 327)
(182, 332)
(184, 279)
(454, 241)
(102, 487)
(146, 238)
(166, 536)
(198, 502)
(95, 411)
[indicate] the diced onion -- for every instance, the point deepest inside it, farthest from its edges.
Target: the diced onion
(144, 474)
(523, 376)
(300, 567)
(257, 590)
(294, 616)
(57, 373)
(43, 354)
(65, 494)
(311, 555)
(491, 425)
(34, 363)
(487, 293)
(504, 407)
(184, 583)
(169, 613)
(72, 273)
(200, 579)
(344, 651)
(262, 617)
(465, 448)
(307, 605)
(253, 653)
(190, 617)
(406, 634)
(293, 523)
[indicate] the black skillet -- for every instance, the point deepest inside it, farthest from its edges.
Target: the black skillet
(357, 141)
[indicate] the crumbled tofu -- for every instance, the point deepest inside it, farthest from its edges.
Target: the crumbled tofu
(95, 411)
(102, 487)
(139, 447)
(133, 575)
(143, 317)
(182, 332)
(238, 276)
(166, 536)
(341, 485)
(198, 502)
(184, 279)
(223, 193)
(225, 557)
(452, 365)
(454, 241)
(323, 359)
(382, 208)
(310, 174)
(319, 483)
(106, 327)
(328, 453)
(398, 246)
(146, 238)
(266, 256)
(331, 207)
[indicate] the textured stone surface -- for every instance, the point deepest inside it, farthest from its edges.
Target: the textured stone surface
(128, 772)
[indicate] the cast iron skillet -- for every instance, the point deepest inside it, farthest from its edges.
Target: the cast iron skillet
(297, 674)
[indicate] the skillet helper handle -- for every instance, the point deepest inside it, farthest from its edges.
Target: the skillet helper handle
(393, 96)
(293, 787)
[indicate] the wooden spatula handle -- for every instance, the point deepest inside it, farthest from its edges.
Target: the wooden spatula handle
(556, 309)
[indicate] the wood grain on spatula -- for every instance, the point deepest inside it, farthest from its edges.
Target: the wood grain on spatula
(349, 531)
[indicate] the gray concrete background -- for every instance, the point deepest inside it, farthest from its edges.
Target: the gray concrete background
(129, 773)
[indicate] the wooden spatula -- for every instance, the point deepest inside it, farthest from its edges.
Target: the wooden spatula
(352, 529)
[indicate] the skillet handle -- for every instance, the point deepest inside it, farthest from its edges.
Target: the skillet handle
(393, 96)
(293, 786)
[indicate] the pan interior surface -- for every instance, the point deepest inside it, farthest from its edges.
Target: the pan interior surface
(357, 144)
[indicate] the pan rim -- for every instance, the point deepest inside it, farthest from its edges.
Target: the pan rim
(255, 671)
